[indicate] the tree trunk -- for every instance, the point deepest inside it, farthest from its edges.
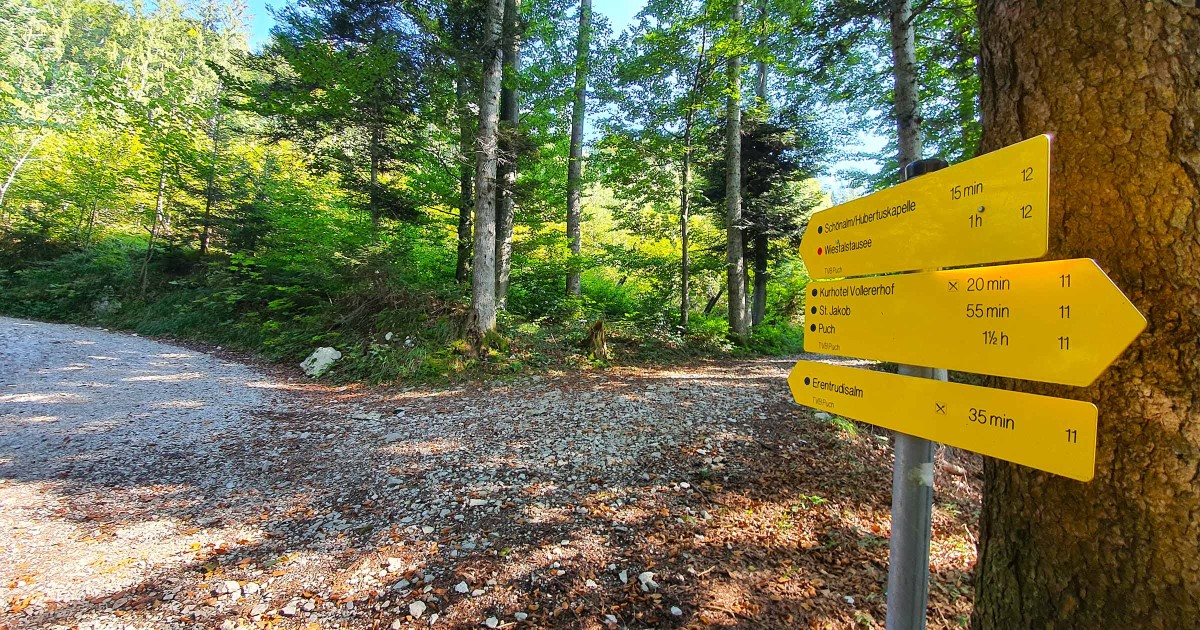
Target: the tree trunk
(483, 274)
(906, 108)
(712, 301)
(685, 302)
(1117, 83)
(16, 168)
(373, 196)
(510, 117)
(210, 190)
(758, 302)
(159, 209)
(735, 261)
(758, 309)
(575, 165)
(466, 195)
(87, 241)
(685, 275)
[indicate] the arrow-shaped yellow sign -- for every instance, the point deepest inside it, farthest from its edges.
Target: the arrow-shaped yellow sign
(1050, 434)
(1062, 321)
(993, 208)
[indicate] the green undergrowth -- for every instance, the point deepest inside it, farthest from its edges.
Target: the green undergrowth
(377, 310)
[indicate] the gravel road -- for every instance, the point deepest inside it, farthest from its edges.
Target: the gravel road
(146, 485)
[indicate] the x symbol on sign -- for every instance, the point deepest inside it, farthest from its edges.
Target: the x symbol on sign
(940, 408)
(953, 285)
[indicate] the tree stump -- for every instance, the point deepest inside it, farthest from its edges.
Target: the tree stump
(596, 344)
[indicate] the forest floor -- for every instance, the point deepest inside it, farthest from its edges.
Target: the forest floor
(144, 485)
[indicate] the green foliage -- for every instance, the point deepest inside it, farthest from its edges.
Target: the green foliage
(158, 177)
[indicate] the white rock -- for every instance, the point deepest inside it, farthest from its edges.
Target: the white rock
(821, 415)
(288, 611)
(477, 502)
(849, 600)
(646, 579)
(259, 609)
(477, 592)
(676, 611)
(250, 588)
(521, 616)
(231, 587)
(590, 584)
(427, 529)
(394, 565)
(396, 625)
(393, 437)
(228, 624)
(624, 575)
(388, 337)
(491, 622)
(462, 587)
(433, 618)
(610, 619)
(416, 609)
(320, 361)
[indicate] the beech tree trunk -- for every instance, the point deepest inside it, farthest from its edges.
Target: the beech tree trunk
(575, 165)
(510, 116)
(735, 261)
(466, 188)
(483, 273)
(1118, 84)
(905, 108)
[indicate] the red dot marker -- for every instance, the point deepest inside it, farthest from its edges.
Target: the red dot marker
(820, 251)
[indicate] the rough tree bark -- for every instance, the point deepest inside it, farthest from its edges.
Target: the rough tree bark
(906, 108)
(466, 188)
(483, 273)
(1118, 84)
(510, 117)
(575, 165)
(735, 261)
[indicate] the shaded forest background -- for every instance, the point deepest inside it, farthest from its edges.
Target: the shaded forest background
(159, 176)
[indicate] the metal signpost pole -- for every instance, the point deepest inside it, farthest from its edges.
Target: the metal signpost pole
(912, 501)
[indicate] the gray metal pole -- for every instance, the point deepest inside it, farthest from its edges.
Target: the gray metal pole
(912, 502)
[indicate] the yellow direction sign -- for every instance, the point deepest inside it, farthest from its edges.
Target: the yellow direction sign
(993, 208)
(1061, 321)
(1050, 434)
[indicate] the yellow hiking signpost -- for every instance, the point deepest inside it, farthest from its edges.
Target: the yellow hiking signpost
(1061, 321)
(993, 208)
(1050, 434)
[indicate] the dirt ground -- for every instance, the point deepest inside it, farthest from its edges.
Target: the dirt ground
(145, 485)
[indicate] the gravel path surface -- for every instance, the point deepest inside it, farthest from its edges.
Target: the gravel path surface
(144, 485)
